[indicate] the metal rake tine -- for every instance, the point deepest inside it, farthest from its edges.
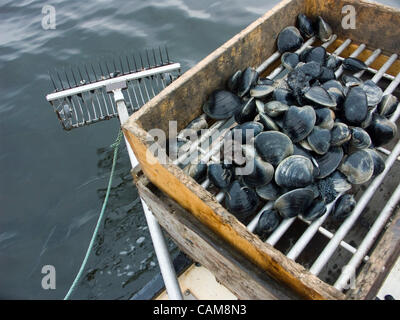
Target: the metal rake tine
(134, 61)
(101, 70)
(154, 56)
(87, 73)
(122, 67)
(94, 72)
(51, 78)
(80, 74)
(115, 67)
(62, 86)
(148, 60)
(66, 76)
(162, 61)
(141, 60)
(127, 61)
(73, 76)
(108, 70)
(166, 50)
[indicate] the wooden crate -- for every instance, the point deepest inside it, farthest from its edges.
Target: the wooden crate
(280, 277)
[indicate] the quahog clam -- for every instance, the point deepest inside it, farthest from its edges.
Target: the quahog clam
(317, 209)
(294, 202)
(289, 39)
(343, 207)
(298, 122)
(294, 172)
(273, 146)
(358, 167)
(220, 174)
(267, 223)
(360, 138)
(319, 140)
(356, 106)
(241, 201)
(221, 105)
(306, 26)
(381, 130)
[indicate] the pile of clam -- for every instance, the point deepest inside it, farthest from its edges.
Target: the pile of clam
(314, 135)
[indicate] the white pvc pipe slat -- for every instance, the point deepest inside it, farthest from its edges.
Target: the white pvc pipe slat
(368, 240)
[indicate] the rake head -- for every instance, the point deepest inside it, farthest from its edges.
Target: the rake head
(80, 97)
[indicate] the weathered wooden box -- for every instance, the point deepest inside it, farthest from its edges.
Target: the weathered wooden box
(201, 226)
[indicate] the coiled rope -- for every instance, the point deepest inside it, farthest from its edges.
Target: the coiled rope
(115, 145)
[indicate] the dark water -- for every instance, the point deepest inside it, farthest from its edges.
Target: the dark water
(52, 182)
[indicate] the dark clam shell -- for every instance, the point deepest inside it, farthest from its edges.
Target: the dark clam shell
(317, 209)
(360, 138)
(327, 74)
(379, 163)
(268, 222)
(273, 146)
(220, 174)
(381, 130)
(261, 174)
(290, 60)
(303, 55)
(305, 26)
(285, 96)
(311, 69)
(329, 162)
(335, 90)
(325, 118)
(340, 134)
(351, 81)
(358, 167)
(324, 30)
(267, 122)
(275, 108)
(249, 130)
(314, 188)
(319, 140)
(317, 54)
(248, 78)
(261, 90)
(289, 39)
(300, 151)
(294, 202)
(241, 201)
(368, 120)
(247, 113)
(233, 82)
(373, 92)
(269, 192)
(356, 106)
(298, 122)
(388, 105)
(343, 207)
(265, 81)
(294, 172)
(354, 64)
(333, 62)
(222, 105)
(320, 96)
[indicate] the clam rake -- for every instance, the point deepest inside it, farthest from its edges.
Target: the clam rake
(96, 92)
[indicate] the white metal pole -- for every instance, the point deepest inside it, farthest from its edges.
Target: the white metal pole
(160, 246)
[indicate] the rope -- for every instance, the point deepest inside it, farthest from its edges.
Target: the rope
(115, 145)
